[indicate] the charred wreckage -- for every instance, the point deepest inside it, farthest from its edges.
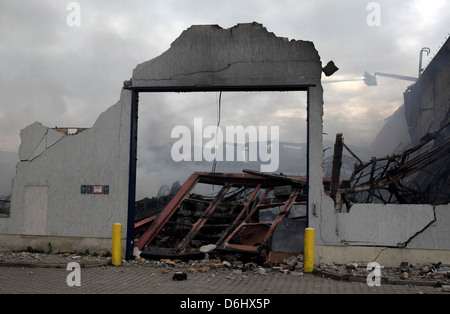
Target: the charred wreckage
(239, 212)
(238, 217)
(418, 175)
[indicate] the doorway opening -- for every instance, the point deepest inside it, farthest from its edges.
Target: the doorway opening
(263, 131)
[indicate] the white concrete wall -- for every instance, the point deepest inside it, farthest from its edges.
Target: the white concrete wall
(46, 195)
(437, 235)
(413, 226)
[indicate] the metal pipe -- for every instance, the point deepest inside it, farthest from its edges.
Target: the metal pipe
(400, 77)
(427, 50)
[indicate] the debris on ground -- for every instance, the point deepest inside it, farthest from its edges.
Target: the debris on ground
(430, 274)
(217, 214)
(179, 275)
(45, 259)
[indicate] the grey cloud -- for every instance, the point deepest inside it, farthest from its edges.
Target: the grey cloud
(58, 74)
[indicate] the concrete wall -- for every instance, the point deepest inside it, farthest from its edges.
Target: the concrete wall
(390, 234)
(47, 202)
(427, 102)
(244, 55)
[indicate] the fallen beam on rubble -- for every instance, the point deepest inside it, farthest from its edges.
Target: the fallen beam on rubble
(229, 220)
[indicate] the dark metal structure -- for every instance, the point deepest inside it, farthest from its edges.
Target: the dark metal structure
(383, 180)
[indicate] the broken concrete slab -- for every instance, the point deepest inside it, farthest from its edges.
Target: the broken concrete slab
(35, 139)
(362, 225)
(244, 55)
(436, 236)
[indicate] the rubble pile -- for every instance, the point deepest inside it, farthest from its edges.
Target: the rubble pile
(431, 274)
(237, 213)
(36, 258)
(292, 266)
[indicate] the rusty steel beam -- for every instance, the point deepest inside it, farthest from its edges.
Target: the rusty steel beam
(240, 215)
(202, 220)
(224, 244)
(138, 226)
(259, 233)
(265, 237)
(298, 181)
(283, 213)
(165, 215)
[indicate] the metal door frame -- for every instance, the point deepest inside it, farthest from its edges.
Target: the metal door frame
(177, 89)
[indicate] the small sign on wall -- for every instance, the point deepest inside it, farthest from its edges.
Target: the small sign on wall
(95, 189)
(98, 189)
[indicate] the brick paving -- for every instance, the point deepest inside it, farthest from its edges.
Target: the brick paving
(150, 280)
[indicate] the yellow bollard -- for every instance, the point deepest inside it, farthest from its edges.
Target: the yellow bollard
(308, 261)
(116, 258)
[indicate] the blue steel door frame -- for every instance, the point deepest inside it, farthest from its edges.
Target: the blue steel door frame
(133, 139)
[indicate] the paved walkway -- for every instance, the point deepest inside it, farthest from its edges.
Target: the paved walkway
(151, 280)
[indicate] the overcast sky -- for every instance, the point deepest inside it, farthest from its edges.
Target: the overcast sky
(62, 75)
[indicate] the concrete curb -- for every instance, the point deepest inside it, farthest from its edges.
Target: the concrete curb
(384, 280)
(49, 265)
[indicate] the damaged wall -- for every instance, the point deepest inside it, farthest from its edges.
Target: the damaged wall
(427, 112)
(48, 202)
(54, 167)
(427, 102)
(388, 234)
(243, 55)
(393, 233)
(393, 225)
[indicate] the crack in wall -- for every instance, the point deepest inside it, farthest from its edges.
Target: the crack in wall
(379, 253)
(44, 137)
(37, 146)
(412, 230)
(404, 244)
(228, 66)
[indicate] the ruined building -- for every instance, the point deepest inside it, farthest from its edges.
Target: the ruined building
(427, 112)
(71, 188)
